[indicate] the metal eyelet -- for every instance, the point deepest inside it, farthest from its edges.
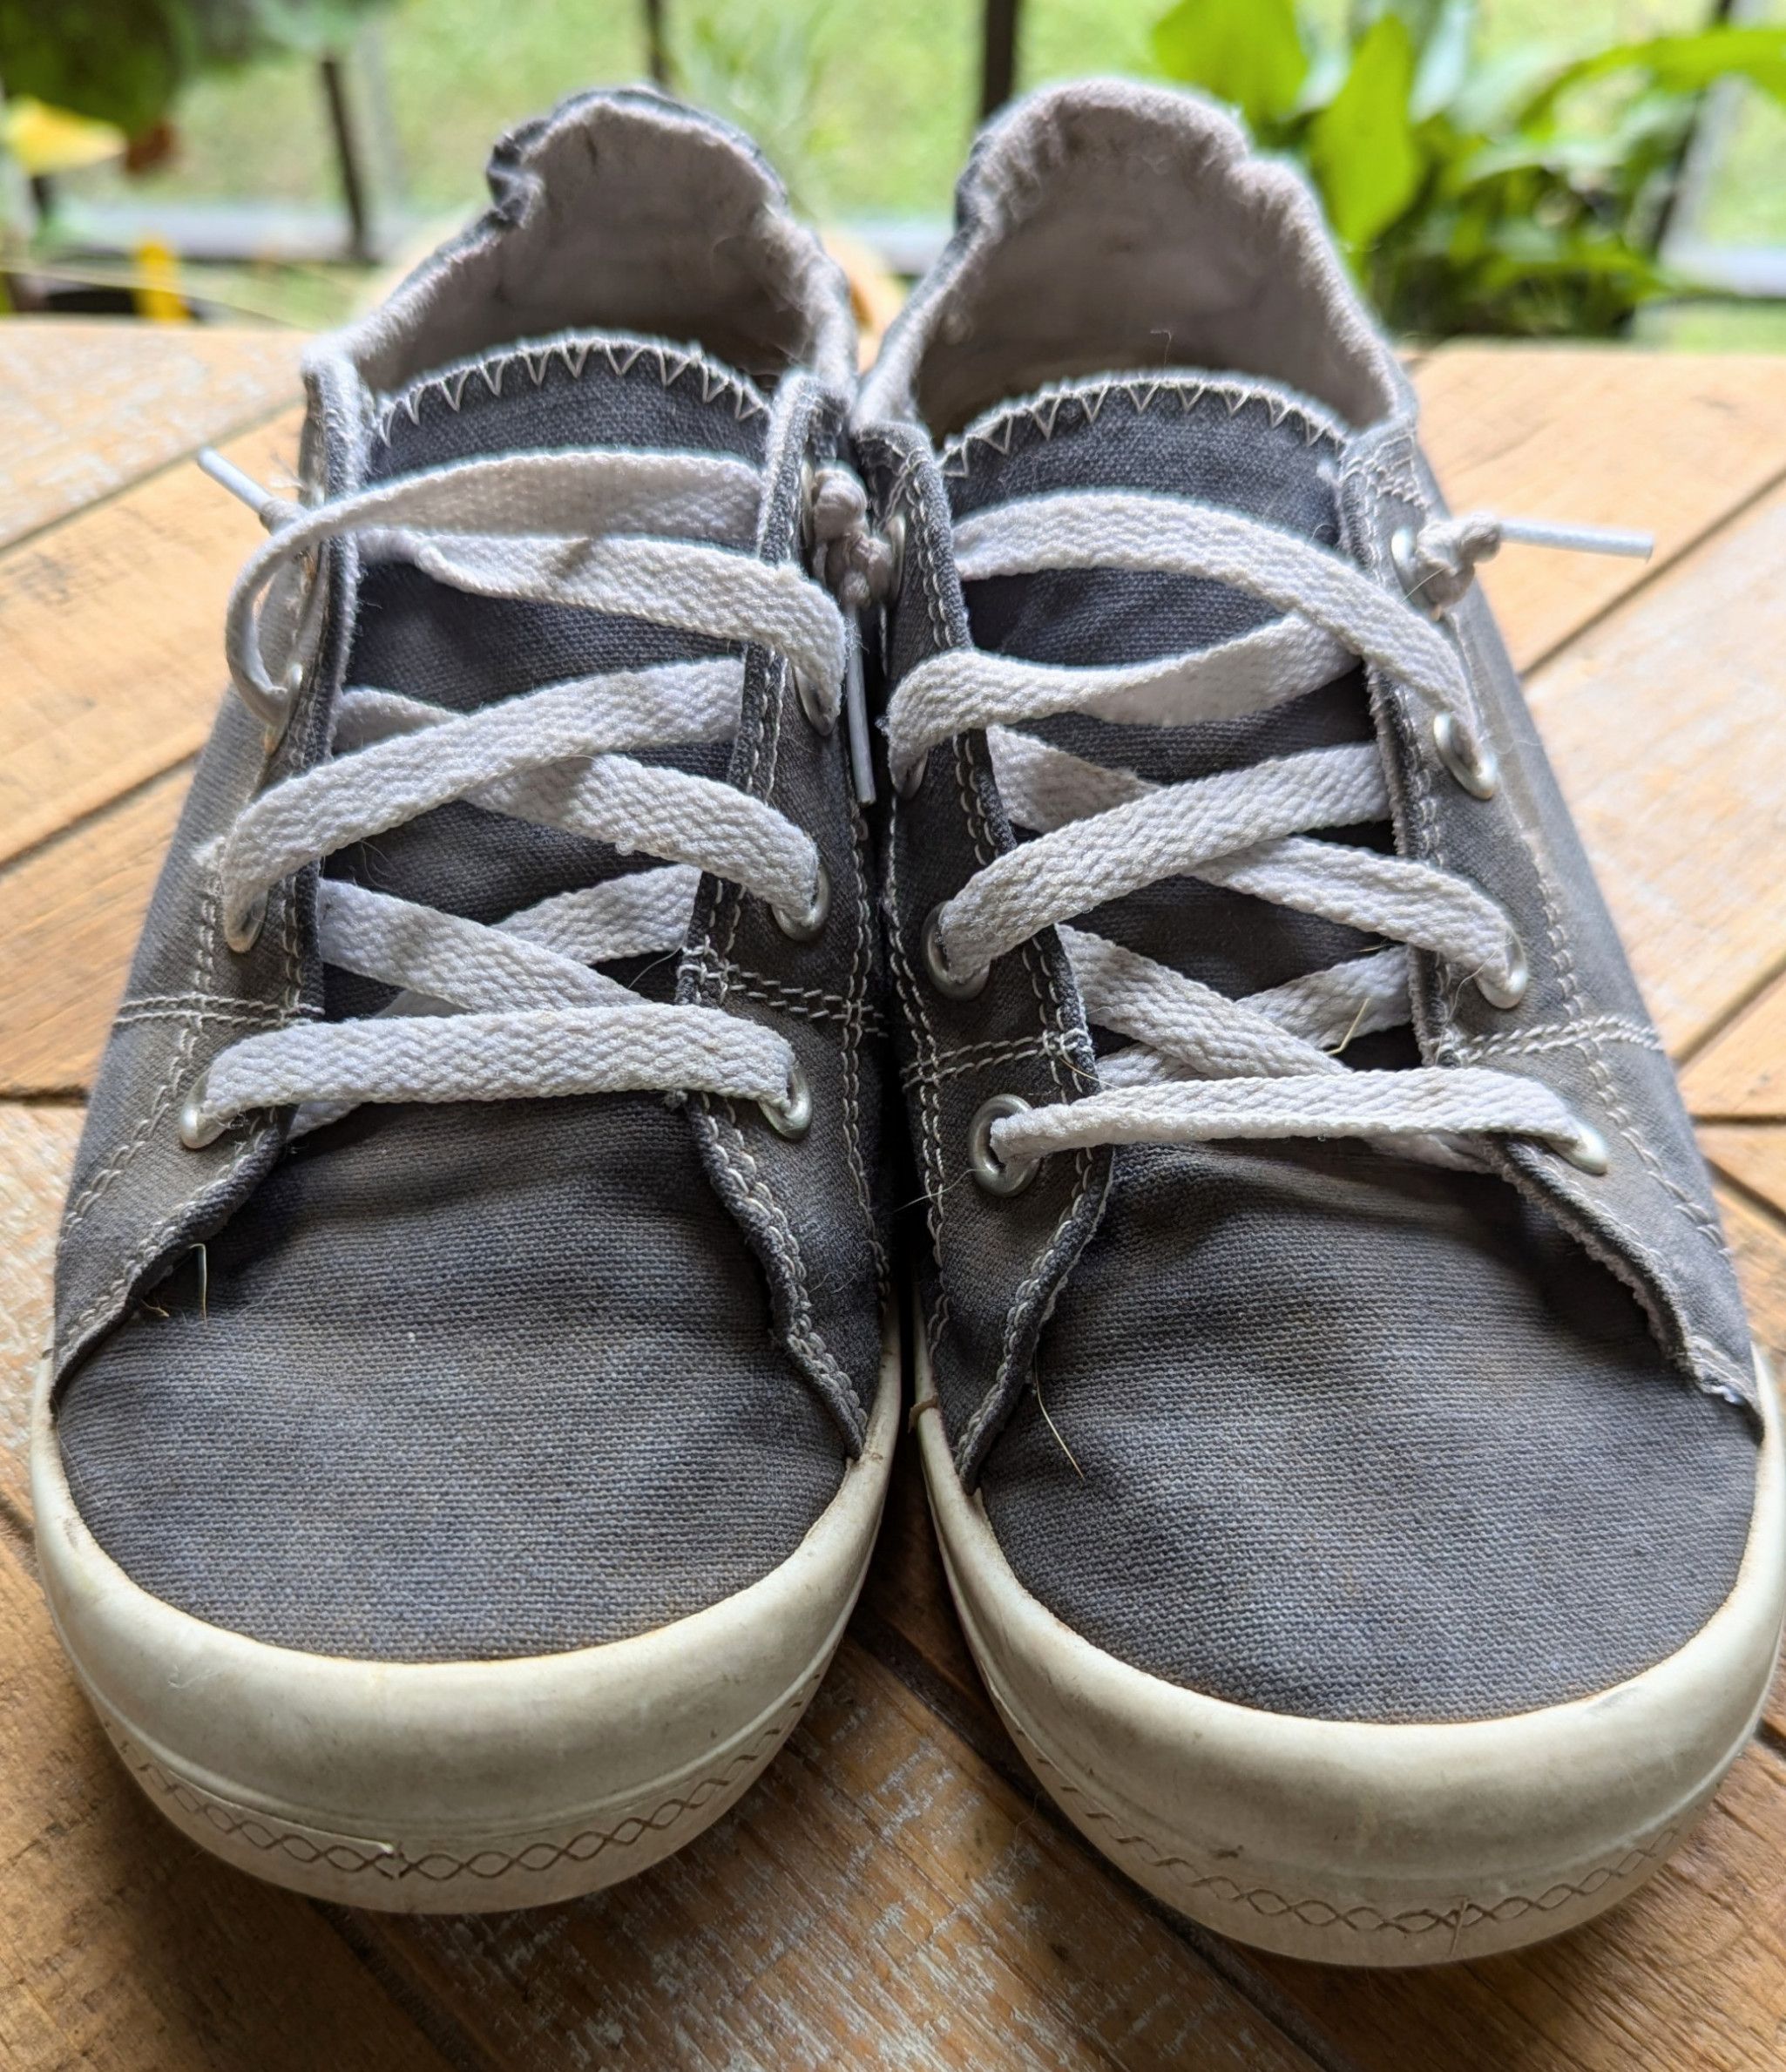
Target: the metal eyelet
(821, 719)
(908, 780)
(894, 533)
(1470, 762)
(791, 1116)
(801, 928)
(996, 1175)
(965, 987)
(241, 931)
(1508, 990)
(1405, 556)
(197, 1128)
(1586, 1149)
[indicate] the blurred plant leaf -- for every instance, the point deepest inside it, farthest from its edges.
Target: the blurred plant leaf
(48, 140)
(1445, 60)
(1250, 53)
(1468, 195)
(1678, 65)
(1361, 147)
(127, 61)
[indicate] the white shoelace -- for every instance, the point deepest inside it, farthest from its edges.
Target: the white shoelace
(1200, 1064)
(519, 1008)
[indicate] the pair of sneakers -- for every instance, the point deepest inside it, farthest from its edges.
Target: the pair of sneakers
(653, 766)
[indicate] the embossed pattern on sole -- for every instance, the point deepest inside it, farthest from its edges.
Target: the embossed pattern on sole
(435, 1877)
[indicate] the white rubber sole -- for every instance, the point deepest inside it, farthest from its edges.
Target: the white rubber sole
(455, 1787)
(1350, 1843)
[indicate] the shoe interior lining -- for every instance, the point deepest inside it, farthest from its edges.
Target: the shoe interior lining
(624, 213)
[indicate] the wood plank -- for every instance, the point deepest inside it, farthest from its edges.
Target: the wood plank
(37, 1155)
(73, 911)
(1742, 1072)
(882, 1897)
(1668, 443)
(1752, 1154)
(1758, 1244)
(1664, 724)
(123, 1946)
(1685, 1973)
(112, 625)
(89, 404)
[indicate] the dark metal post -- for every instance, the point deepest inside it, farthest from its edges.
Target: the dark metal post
(998, 60)
(657, 43)
(1686, 181)
(346, 153)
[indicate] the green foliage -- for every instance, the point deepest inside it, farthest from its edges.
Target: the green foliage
(126, 61)
(1362, 146)
(1525, 197)
(1250, 53)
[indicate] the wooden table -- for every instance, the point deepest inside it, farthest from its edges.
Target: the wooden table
(896, 1890)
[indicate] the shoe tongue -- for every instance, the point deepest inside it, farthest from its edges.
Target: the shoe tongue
(421, 638)
(1247, 447)
(1243, 446)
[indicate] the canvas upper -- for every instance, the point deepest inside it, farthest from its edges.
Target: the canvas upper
(472, 1378)
(1346, 1426)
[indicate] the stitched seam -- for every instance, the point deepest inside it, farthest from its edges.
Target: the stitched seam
(262, 1019)
(1600, 1072)
(494, 368)
(216, 1000)
(778, 1232)
(905, 979)
(957, 1064)
(728, 1137)
(811, 1001)
(860, 963)
(1406, 487)
(172, 1082)
(957, 459)
(237, 1823)
(918, 1024)
(1361, 1919)
(1559, 1036)
(1051, 1013)
(120, 1287)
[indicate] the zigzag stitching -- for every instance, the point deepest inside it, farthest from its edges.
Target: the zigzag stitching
(1363, 1919)
(670, 367)
(236, 1823)
(996, 430)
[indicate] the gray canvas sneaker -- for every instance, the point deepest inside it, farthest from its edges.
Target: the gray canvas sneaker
(1346, 1442)
(471, 1409)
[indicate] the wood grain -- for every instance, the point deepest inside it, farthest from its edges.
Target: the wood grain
(882, 1897)
(1669, 444)
(1742, 1072)
(1683, 1977)
(74, 908)
(88, 405)
(1664, 723)
(37, 1155)
(111, 625)
(123, 1946)
(1753, 1155)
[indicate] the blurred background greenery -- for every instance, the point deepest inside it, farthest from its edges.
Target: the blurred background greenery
(866, 109)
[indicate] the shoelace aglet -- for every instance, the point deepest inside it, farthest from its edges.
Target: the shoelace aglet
(273, 511)
(1579, 539)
